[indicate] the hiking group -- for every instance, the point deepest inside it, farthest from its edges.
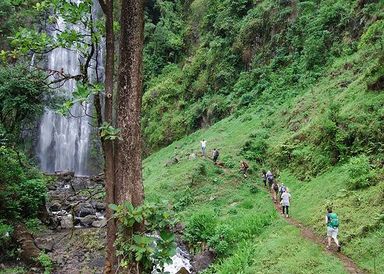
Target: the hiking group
(215, 152)
(280, 193)
(215, 155)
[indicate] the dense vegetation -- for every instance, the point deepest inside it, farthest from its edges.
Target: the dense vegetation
(301, 85)
(207, 59)
(22, 186)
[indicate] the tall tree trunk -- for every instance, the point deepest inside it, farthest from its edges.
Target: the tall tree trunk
(108, 145)
(129, 185)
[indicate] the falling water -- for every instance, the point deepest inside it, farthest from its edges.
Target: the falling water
(64, 142)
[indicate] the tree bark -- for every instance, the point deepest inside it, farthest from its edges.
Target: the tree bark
(108, 145)
(129, 186)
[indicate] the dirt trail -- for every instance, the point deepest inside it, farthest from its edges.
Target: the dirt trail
(309, 234)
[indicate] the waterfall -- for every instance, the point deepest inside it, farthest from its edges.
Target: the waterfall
(64, 141)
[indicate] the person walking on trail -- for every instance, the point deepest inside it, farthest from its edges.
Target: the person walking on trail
(275, 192)
(332, 222)
(282, 189)
(244, 168)
(203, 147)
(269, 178)
(264, 177)
(215, 155)
(285, 202)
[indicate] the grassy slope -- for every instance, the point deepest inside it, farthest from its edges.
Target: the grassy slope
(228, 196)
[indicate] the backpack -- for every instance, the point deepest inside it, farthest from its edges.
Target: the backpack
(333, 220)
(275, 187)
(216, 153)
(283, 189)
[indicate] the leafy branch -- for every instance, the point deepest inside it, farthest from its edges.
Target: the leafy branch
(155, 245)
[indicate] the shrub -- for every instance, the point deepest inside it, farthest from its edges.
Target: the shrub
(201, 226)
(183, 199)
(255, 148)
(21, 192)
(6, 231)
(222, 240)
(228, 161)
(361, 174)
(46, 262)
(33, 225)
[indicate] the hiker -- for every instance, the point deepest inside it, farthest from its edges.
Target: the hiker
(282, 189)
(215, 155)
(269, 178)
(332, 222)
(275, 188)
(285, 201)
(244, 168)
(203, 147)
(264, 177)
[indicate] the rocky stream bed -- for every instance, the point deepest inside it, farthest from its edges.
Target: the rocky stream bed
(75, 234)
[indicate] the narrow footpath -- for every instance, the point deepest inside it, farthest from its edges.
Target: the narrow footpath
(309, 234)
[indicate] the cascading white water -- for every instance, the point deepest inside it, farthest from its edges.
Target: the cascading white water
(64, 142)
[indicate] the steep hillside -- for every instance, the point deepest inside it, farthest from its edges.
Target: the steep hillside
(324, 140)
(208, 59)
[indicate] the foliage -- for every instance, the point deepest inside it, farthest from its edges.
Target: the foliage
(201, 227)
(204, 61)
(22, 192)
(33, 225)
(6, 231)
(21, 97)
(312, 130)
(81, 95)
(46, 262)
(108, 132)
(154, 245)
(360, 173)
(15, 14)
(255, 149)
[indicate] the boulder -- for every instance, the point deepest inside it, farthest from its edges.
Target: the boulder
(88, 220)
(65, 176)
(97, 178)
(79, 184)
(55, 206)
(99, 206)
(52, 187)
(45, 244)
(97, 262)
(203, 260)
(84, 209)
(66, 222)
(99, 223)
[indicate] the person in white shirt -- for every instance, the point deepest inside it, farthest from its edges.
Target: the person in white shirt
(285, 201)
(203, 147)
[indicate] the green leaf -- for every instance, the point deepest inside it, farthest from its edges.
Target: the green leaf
(113, 207)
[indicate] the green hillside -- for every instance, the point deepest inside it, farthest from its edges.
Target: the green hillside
(323, 137)
(208, 59)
